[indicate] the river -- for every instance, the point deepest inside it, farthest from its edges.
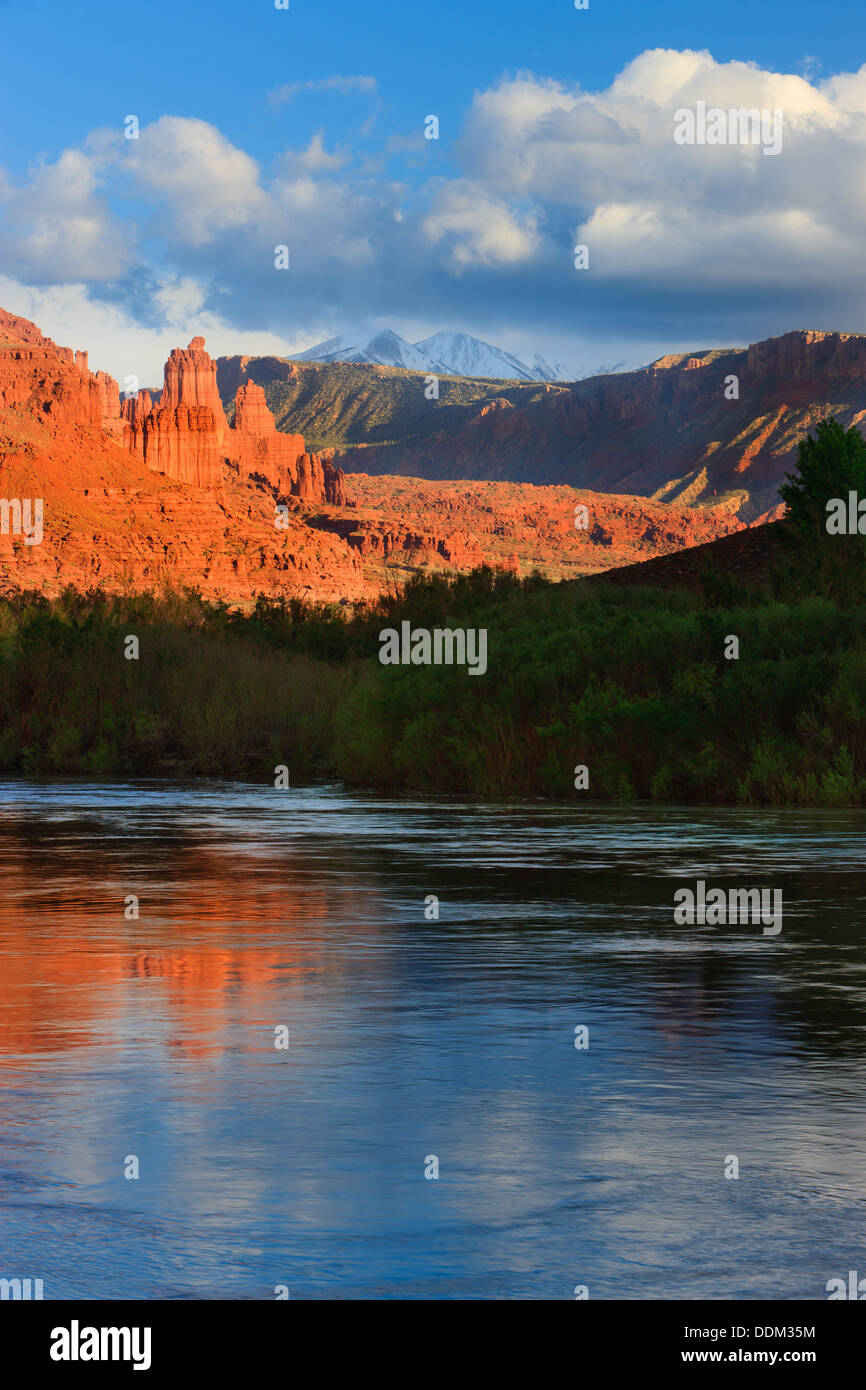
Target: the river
(240, 1090)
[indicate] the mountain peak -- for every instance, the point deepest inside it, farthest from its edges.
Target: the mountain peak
(443, 353)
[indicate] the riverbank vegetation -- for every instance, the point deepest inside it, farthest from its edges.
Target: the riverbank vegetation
(636, 684)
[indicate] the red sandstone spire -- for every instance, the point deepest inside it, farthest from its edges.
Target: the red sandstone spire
(186, 436)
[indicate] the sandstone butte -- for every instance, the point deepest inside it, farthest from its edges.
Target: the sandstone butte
(145, 491)
(186, 436)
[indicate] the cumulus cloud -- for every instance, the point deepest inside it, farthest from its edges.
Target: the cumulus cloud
(478, 229)
(699, 244)
(59, 227)
(202, 181)
(695, 216)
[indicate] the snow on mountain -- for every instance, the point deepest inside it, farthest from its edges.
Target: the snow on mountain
(447, 354)
(387, 349)
(605, 369)
(542, 370)
(462, 355)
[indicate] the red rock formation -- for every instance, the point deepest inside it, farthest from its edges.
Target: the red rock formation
(318, 479)
(111, 520)
(109, 395)
(252, 415)
(21, 331)
(257, 447)
(53, 382)
(261, 450)
(190, 379)
(186, 435)
(134, 411)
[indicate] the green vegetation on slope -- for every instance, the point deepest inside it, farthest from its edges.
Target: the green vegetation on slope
(633, 683)
(343, 404)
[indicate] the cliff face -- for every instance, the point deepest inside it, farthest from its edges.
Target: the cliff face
(54, 383)
(114, 518)
(671, 431)
(186, 436)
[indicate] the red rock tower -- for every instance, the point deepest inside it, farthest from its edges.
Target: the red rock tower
(186, 435)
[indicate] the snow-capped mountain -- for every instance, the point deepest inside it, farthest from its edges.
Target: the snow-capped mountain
(447, 354)
(542, 370)
(605, 369)
(386, 349)
(462, 355)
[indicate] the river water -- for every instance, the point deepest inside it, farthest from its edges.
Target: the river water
(149, 1045)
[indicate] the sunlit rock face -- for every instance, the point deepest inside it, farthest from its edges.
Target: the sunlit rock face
(185, 435)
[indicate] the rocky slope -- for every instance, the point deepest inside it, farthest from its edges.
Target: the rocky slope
(177, 490)
(680, 430)
(746, 557)
(185, 435)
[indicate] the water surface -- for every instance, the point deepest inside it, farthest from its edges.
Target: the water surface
(409, 1037)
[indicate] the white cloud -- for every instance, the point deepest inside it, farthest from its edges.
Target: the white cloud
(58, 227)
(344, 85)
(478, 229)
(540, 166)
(696, 214)
(205, 183)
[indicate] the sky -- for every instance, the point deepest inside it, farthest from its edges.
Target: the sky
(304, 127)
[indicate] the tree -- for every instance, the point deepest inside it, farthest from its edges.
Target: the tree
(830, 464)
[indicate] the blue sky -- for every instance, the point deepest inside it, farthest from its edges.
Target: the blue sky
(305, 127)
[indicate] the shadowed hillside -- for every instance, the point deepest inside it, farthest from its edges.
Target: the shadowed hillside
(680, 430)
(339, 405)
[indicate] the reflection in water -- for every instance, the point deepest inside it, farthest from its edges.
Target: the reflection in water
(258, 1166)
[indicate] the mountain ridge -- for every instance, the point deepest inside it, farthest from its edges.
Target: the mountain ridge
(141, 493)
(442, 354)
(718, 424)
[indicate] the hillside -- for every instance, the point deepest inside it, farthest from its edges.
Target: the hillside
(155, 490)
(745, 557)
(666, 432)
(338, 405)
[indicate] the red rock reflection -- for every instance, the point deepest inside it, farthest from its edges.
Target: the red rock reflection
(215, 942)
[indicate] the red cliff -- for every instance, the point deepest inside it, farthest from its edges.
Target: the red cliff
(186, 434)
(54, 383)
